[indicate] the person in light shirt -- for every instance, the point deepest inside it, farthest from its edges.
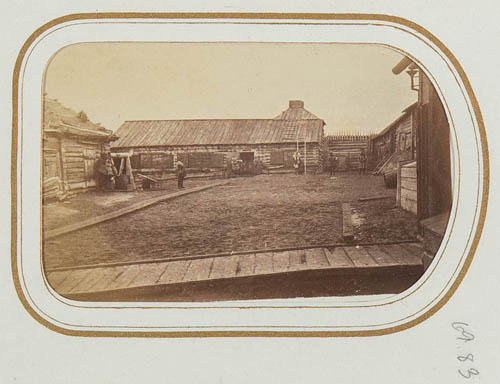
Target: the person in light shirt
(181, 174)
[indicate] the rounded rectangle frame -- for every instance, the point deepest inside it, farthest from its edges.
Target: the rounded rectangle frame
(329, 316)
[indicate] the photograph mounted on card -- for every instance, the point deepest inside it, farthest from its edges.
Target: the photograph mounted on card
(322, 172)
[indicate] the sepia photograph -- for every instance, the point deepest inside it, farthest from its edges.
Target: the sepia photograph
(257, 192)
(200, 172)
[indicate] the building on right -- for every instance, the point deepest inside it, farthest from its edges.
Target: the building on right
(433, 161)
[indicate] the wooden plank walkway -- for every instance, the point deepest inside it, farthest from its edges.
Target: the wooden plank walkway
(123, 211)
(339, 259)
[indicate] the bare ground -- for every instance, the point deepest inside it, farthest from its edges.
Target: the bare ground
(381, 220)
(266, 211)
(94, 203)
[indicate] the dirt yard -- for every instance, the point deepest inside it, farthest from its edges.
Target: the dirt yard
(90, 204)
(381, 220)
(266, 211)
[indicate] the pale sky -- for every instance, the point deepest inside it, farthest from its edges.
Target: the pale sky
(351, 87)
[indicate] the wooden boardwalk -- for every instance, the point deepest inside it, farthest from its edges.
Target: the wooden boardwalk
(116, 279)
(123, 211)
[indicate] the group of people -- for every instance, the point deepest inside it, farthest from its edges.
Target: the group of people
(333, 163)
(240, 167)
(233, 166)
(107, 172)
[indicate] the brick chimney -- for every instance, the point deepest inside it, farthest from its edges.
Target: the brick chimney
(294, 104)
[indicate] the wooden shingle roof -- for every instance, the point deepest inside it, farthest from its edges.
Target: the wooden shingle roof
(144, 133)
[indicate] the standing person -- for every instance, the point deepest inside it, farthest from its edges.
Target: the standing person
(301, 167)
(106, 172)
(330, 164)
(102, 175)
(297, 161)
(333, 164)
(111, 171)
(229, 168)
(362, 161)
(181, 173)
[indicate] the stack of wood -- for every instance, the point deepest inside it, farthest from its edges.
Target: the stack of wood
(51, 189)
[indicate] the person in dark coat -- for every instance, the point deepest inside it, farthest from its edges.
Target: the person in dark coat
(334, 161)
(181, 174)
(301, 167)
(362, 162)
(228, 170)
(106, 172)
(102, 176)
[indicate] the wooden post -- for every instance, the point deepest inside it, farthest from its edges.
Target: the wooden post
(62, 160)
(85, 172)
(122, 164)
(398, 186)
(305, 157)
(129, 171)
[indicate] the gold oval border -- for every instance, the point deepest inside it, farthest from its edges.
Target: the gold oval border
(243, 16)
(387, 324)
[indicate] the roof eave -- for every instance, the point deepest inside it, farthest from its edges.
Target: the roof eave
(395, 122)
(401, 65)
(114, 146)
(63, 129)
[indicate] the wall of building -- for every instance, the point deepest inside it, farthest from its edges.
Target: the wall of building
(405, 139)
(400, 139)
(433, 153)
(383, 146)
(398, 142)
(268, 154)
(79, 162)
(52, 177)
(347, 148)
(72, 160)
(407, 187)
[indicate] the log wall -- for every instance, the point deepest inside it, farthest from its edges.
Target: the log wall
(347, 148)
(79, 162)
(72, 160)
(399, 140)
(261, 152)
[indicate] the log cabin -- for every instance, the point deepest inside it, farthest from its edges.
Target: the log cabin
(71, 146)
(207, 144)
